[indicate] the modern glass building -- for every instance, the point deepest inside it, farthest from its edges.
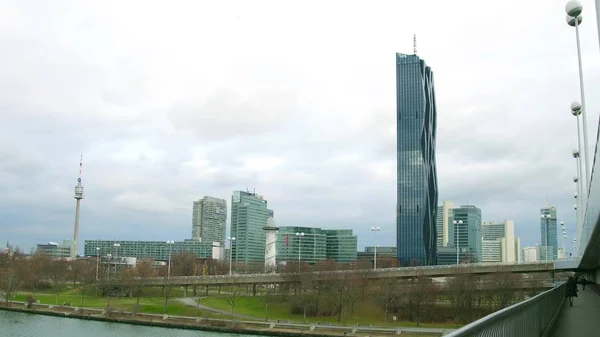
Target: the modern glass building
(548, 239)
(341, 245)
(312, 244)
(417, 191)
(209, 220)
(249, 214)
(468, 235)
(155, 250)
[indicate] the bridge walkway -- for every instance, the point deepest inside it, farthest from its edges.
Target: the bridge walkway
(583, 319)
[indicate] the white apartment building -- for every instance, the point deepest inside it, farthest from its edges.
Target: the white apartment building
(209, 218)
(530, 254)
(499, 243)
(444, 213)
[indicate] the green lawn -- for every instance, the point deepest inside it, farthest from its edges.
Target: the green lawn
(153, 305)
(364, 313)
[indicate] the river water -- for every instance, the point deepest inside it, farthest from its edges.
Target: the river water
(17, 324)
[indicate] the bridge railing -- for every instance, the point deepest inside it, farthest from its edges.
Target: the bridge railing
(531, 317)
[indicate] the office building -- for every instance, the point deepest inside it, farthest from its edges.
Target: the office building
(316, 244)
(444, 212)
(55, 250)
(387, 257)
(447, 255)
(209, 220)
(249, 214)
(530, 254)
(154, 250)
(312, 244)
(417, 190)
(549, 240)
(499, 243)
(467, 233)
(341, 245)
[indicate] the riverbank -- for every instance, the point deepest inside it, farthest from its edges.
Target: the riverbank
(217, 325)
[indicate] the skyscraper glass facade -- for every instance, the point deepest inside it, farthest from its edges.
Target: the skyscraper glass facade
(467, 234)
(417, 191)
(549, 240)
(341, 245)
(312, 244)
(249, 214)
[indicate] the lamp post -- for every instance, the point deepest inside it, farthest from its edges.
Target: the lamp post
(564, 232)
(299, 235)
(109, 256)
(170, 243)
(375, 230)
(116, 245)
(457, 234)
(97, 261)
(574, 18)
(231, 241)
(546, 218)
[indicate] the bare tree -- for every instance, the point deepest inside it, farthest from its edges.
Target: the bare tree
(235, 293)
(342, 292)
(387, 292)
(505, 288)
(268, 297)
(422, 294)
(142, 270)
(58, 274)
(38, 267)
(460, 289)
(184, 264)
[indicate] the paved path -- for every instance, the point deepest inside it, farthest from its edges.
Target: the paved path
(582, 319)
(190, 301)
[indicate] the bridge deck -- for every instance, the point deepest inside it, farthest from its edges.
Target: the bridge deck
(583, 319)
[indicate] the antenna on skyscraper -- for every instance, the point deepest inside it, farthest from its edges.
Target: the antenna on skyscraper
(415, 44)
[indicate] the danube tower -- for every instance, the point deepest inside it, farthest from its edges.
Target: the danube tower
(78, 197)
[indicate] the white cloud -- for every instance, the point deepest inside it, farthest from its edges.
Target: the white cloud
(144, 202)
(295, 99)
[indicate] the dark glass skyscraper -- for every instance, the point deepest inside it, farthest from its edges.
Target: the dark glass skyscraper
(417, 193)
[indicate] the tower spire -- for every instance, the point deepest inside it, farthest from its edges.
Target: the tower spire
(415, 44)
(80, 168)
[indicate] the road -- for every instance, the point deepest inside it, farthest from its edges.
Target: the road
(190, 301)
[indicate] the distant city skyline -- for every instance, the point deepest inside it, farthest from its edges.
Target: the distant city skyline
(307, 121)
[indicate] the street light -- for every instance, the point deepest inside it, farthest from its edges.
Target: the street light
(578, 202)
(116, 245)
(97, 261)
(170, 243)
(299, 235)
(231, 241)
(574, 18)
(457, 234)
(109, 256)
(375, 230)
(564, 232)
(546, 218)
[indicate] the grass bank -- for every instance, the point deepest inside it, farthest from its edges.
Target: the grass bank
(149, 305)
(366, 312)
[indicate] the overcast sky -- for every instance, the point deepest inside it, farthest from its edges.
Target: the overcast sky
(171, 101)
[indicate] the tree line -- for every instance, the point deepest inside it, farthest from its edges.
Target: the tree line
(461, 298)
